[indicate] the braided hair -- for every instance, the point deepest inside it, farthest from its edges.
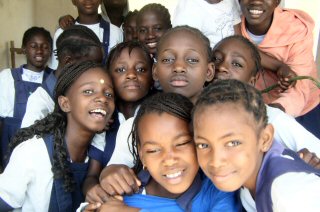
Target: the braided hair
(234, 91)
(33, 31)
(55, 124)
(129, 16)
(253, 49)
(184, 28)
(172, 103)
(77, 40)
(159, 9)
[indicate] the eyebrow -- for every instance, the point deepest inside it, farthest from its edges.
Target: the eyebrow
(221, 137)
(175, 138)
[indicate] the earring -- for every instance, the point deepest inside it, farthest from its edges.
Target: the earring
(144, 168)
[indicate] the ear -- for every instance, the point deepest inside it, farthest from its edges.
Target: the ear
(210, 72)
(66, 60)
(154, 72)
(64, 104)
(266, 138)
(252, 81)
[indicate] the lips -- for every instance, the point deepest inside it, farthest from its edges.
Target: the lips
(39, 58)
(98, 113)
(132, 86)
(179, 81)
(152, 45)
(255, 12)
(174, 176)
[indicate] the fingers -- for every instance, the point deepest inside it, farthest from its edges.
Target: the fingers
(92, 207)
(310, 158)
(96, 194)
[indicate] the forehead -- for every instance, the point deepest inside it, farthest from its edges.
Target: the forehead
(149, 17)
(94, 75)
(136, 53)
(183, 39)
(37, 37)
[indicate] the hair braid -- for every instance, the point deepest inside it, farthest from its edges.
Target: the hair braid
(172, 103)
(161, 10)
(234, 91)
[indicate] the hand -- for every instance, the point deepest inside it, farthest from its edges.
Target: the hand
(310, 158)
(96, 195)
(92, 207)
(119, 180)
(284, 74)
(66, 21)
(116, 205)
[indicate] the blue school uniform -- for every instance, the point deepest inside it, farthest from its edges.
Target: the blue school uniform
(23, 89)
(60, 200)
(202, 195)
(277, 162)
(311, 121)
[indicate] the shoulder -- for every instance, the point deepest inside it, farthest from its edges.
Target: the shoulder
(5, 74)
(296, 192)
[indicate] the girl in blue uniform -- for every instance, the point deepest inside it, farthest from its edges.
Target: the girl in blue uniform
(17, 84)
(49, 161)
(166, 162)
(129, 65)
(235, 149)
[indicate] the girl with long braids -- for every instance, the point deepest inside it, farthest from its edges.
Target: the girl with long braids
(49, 159)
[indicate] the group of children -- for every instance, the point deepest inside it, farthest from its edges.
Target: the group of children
(162, 121)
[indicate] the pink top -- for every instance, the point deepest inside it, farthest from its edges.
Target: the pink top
(290, 40)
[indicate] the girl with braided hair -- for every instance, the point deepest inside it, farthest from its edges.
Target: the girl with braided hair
(166, 163)
(235, 149)
(49, 159)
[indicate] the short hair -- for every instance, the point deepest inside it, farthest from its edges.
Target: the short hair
(234, 91)
(196, 32)
(159, 9)
(33, 31)
(172, 103)
(117, 50)
(77, 40)
(129, 16)
(253, 49)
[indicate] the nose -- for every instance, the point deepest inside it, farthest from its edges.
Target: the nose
(135, 34)
(222, 67)
(179, 66)
(169, 159)
(217, 158)
(131, 74)
(151, 34)
(102, 98)
(39, 49)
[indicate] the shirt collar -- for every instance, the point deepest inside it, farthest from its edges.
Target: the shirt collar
(185, 200)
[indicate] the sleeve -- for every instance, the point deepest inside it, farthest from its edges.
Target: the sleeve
(54, 60)
(7, 93)
(301, 61)
(121, 153)
(296, 192)
(236, 12)
(97, 147)
(116, 36)
(38, 106)
(13, 187)
(293, 135)
(187, 13)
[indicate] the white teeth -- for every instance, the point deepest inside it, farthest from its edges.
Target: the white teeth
(174, 175)
(103, 112)
(152, 45)
(256, 12)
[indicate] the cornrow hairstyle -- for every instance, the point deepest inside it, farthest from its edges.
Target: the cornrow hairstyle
(188, 29)
(117, 50)
(234, 91)
(77, 40)
(172, 103)
(33, 31)
(129, 16)
(161, 10)
(55, 124)
(252, 47)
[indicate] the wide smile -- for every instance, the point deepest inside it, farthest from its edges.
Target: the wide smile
(99, 114)
(152, 45)
(221, 177)
(174, 177)
(255, 13)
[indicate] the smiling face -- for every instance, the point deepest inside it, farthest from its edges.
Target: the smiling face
(233, 60)
(38, 51)
(131, 74)
(89, 102)
(87, 7)
(167, 151)
(230, 145)
(150, 28)
(183, 65)
(258, 14)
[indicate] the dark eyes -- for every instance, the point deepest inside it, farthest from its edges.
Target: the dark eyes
(89, 92)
